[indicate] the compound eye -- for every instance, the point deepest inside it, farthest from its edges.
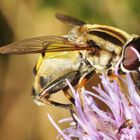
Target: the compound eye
(131, 58)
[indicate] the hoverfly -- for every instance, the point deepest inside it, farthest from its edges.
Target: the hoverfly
(86, 49)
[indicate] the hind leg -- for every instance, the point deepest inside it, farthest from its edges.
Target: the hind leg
(52, 103)
(66, 93)
(57, 85)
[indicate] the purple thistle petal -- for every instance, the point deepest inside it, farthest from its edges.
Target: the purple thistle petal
(66, 120)
(100, 112)
(59, 130)
(122, 121)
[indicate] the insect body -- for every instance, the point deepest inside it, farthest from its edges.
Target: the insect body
(85, 50)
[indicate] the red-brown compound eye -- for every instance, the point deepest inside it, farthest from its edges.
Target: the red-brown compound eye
(131, 55)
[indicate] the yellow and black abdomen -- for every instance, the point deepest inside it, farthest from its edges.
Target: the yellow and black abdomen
(53, 69)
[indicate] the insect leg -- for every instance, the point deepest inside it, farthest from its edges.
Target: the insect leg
(60, 84)
(80, 84)
(66, 93)
(115, 77)
(57, 104)
(57, 85)
(83, 82)
(128, 123)
(84, 79)
(53, 103)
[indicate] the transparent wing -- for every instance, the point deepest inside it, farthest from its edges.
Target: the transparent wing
(41, 45)
(69, 20)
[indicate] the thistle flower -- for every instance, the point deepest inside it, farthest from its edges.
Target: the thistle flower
(120, 120)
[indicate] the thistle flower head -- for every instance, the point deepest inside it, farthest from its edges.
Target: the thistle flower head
(119, 120)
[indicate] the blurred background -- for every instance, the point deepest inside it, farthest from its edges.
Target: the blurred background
(20, 118)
